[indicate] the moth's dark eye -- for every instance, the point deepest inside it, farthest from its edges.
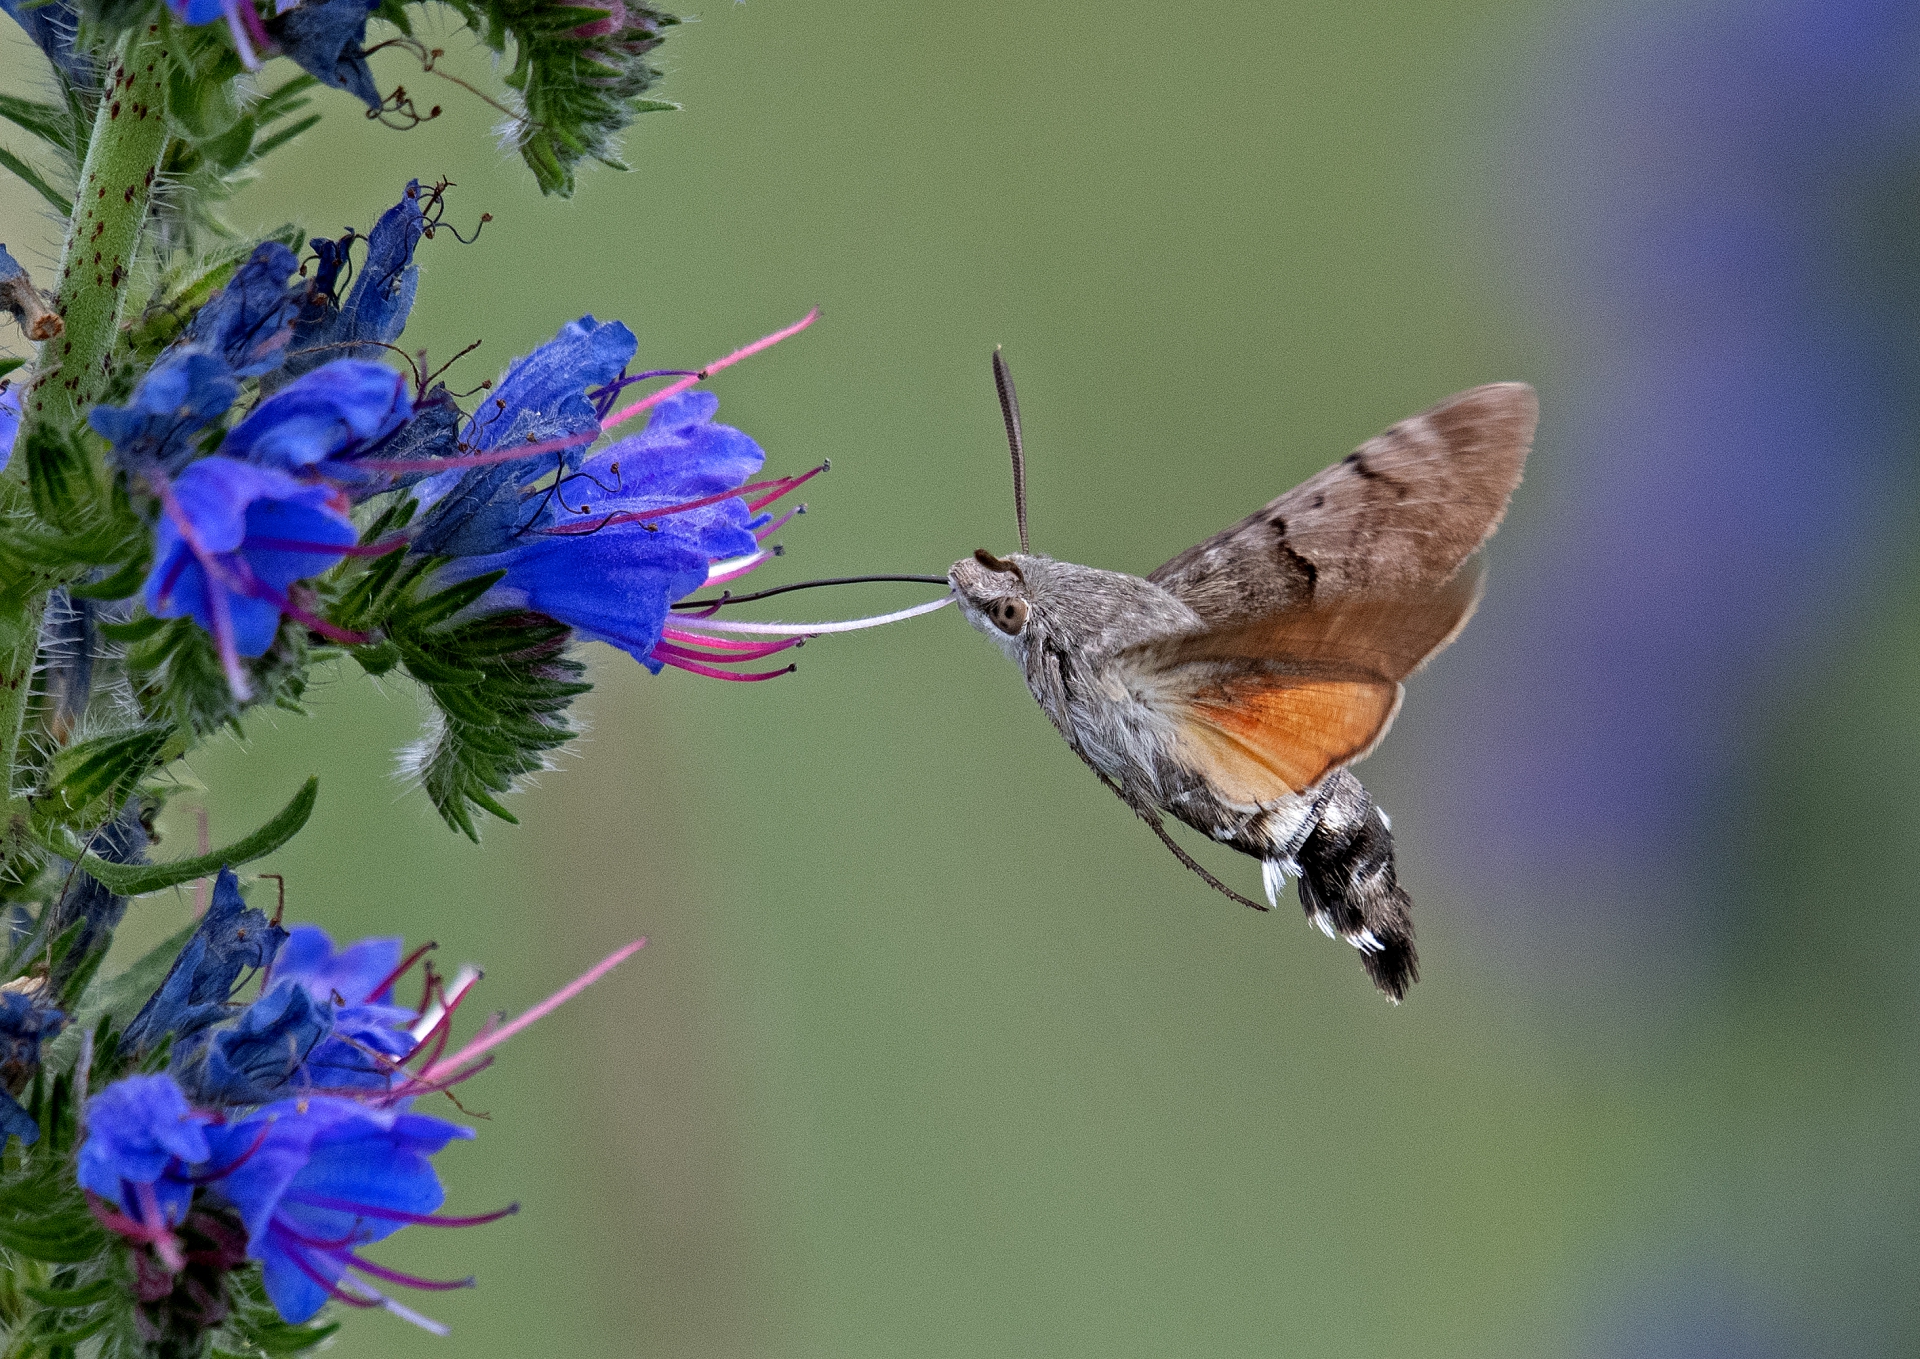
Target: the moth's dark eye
(1010, 615)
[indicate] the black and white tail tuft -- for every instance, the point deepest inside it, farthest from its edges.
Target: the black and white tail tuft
(1348, 888)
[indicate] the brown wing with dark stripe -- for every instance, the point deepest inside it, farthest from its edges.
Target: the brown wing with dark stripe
(1395, 517)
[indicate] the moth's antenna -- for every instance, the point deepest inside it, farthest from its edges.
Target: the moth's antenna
(1010, 411)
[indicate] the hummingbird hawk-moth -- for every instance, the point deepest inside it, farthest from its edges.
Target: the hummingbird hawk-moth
(1232, 687)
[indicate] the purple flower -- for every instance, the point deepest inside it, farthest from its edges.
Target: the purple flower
(231, 540)
(243, 23)
(371, 1035)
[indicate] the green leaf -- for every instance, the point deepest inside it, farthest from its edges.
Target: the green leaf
(100, 1290)
(7, 365)
(50, 124)
(132, 880)
(67, 1238)
(577, 95)
(34, 181)
(120, 585)
(89, 780)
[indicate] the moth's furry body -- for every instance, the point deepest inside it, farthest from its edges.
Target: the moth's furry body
(1081, 624)
(1232, 688)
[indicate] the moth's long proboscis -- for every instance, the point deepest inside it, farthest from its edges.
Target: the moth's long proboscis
(808, 629)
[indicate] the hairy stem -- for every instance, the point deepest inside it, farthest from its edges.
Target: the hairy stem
(96, 267)
(110, 208)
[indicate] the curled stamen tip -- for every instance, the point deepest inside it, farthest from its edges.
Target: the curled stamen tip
(826, 464)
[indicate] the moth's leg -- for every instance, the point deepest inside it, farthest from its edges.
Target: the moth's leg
(1348, 887)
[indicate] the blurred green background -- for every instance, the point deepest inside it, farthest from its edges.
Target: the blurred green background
(933, 1050)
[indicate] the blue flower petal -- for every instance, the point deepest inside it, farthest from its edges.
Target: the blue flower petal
(327, 39)
(136, 1128)
(232, 938)
(330, 412)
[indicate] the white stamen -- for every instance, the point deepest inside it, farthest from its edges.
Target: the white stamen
(733, 567)
(1325, 922)
(1366, 941)
(427, 1324)
(1385, 820)
(696, 623)
(434, 1013)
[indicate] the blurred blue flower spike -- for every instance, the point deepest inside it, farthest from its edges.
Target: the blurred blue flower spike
(9, 422)
(53, 26)
(1721, 193)
(232, 938)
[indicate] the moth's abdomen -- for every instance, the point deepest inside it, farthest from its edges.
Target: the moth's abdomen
(1348, 886)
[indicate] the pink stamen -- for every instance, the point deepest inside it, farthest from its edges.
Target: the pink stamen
(646, 403)
(698, 639)
(240, 27)
(663, 650)
(406, 964)
(487, 459)
(406, 1280)
(695, 667)
(793, 484)
(162, 1239)
(398, 1214)
(761, 535)
(305, 1266)
(484, 1043)
(579, 526)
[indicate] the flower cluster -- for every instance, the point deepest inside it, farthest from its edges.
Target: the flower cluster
(207, 493)
(290, 1115)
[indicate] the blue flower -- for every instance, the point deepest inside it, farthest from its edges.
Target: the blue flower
(376, 310)
(25, 1020)
(9, 422)
(621, 534)
(53, 25)
(242, 331)
(142, 1137)
(232, 539)
(608, 567)
(243, 24)
(324, 1025)
(232, 938)
(370, 1035)
(316, 1179)
(327, 38)
(185, 391)
(249, 322)
(324, 416)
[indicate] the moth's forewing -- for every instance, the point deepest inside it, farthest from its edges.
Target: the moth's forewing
(1399, 514)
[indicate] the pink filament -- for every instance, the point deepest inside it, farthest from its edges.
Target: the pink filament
(732, 656)
(680, 663)
(675, 388)
(485, 1042)
(486, 459)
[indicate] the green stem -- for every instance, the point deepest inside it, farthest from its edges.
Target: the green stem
(110, 208)
(96, 268)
